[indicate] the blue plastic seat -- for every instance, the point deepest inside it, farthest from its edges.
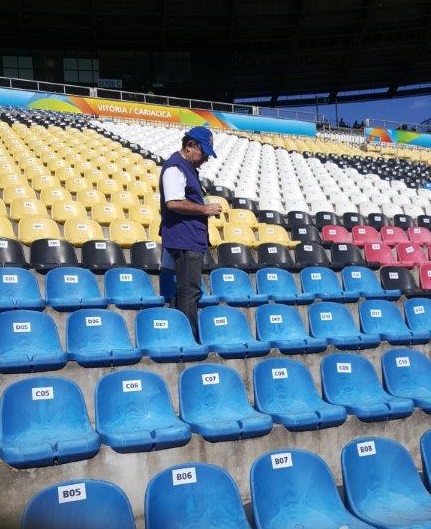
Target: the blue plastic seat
(99, 337)
(165, 335)
(213, 400)
(29, 342)
(425, 449)
(335, 322)
(351, 381)
(134, 413)
(293, 489)
(417, 312)
(130, 288)
(279, 285)
(44, 421)
(407, 373)
(226, 331)
(363, 282)
(234, 287)
(71, 288)
(283, 327)
(323, 283)
(382, 485)
(19, 289)
(207, 299)
(379, 316)
(196, 495)
(285, 389)
(88, 503)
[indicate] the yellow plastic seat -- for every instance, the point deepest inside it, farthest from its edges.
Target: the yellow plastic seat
(50, 195)
(76, 184)
(213, 233)
(27, 207)
(108, 186)
(153, 199)
(273, 233)
(106, 212)
(144, 214)
(33, 228)
(238, 234)
(125, 199)
(242, 216)
(89, 197)
(109, 169)
(79, 230)
(126, 232)
(44, 181)
(221, 219)
(93, 174)
(153, 231)
(3, 209)
(62, 210)
(11, 192)
(6, 228)
(150, 178)
(14, 178)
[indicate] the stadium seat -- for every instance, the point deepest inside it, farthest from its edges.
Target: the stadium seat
(284, 329)
(63, 210)
(130, 288)
(22, 327)
(365, 234)
(335, 322)
(271, 217)
(6, 229)
(397, 486)
(50, 195)
(44, 421)
(99, 337)
(117, 397)
(78, 230)
(382, 317)
(242, 217)
(236, 255)
(424, 221)
(411, 254)
(425, 449)
(406, 373)
(239, 234)
(33, 228)
(19, 289)
(193, 494)
(335, 234)
(285, 389)
(418, 314)
(146, 255)
(272, 233)
(322, 283)
(226, 331)
(379, 254)
(419, 235)
(99, 256)
(392, 235)
(403, 221)
(298, 218)
(399, 278)
(279, 285)
(71, 288)
(27, 207)
(165, 335)
(46, 254)
(248, 203)
(310, 254)
(351, 219)
(350, 380)
(88, 503)
(325, 218)
(294, 488)
(234, 287)
(377, 220)
(126, 232)
(345, 254)
(362, 281)
(12, 253)
(213, 400)
(106, 212)
(274, 255)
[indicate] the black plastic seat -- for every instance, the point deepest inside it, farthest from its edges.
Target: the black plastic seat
(306, 233)
(100, 256)
(12, 253)
(424, 221)
(47, 254)
(346, 254)
(378, 220)
(400, 278)
(311, 254)
(326, 218)
(351, 218)
(236, 255)
(146, 255)
(221, 191)
(298, 218)
(271, 217)
(403, 221)
(274, 254)
(245, 203)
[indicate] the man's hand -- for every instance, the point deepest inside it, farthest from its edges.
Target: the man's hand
(213, 208)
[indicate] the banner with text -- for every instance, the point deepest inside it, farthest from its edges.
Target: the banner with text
(376, 135)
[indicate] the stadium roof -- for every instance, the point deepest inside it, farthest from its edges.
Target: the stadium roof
(226, 50)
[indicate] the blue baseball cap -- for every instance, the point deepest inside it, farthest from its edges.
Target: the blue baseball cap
(205, 139)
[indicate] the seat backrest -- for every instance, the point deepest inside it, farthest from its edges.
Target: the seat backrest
(146, 255)
(275, 281)
(377, 220)
(378, 252)
(410, 252)
(380, 315)
(360, 279)
(406, 373)
(323, 218)
(287, 484)
(32, 228)
(238, 234)
(397, 277)
(298, 218)
(46, 254)
(245, 203)
(18, 284)
(235, 255)
(274, 254)
(418, 313)
(79, 503)
(194, 494)
(424, 221)
(71, 282)
(271, 217)
(127, 282)
(126, 232)
(365, 234)
(306, 233)
(79, 230)
(387, 465)
(392, 235)
(333, 233)
(101, 255)
(419, 235)
(12, 253)
(317, 279)
(277, 321)
(230, 281)
(344, 254)
(403, 221)
(329, 319)
(353, 218)
(222, 324)
(310, 254)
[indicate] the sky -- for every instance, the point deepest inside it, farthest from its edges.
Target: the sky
(409, 110)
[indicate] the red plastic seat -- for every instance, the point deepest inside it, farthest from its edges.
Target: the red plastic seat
(411, 254)
(419, 235)
(425, 276)
(363, 234)
(378, 253)
(336, 234)
(392, 235)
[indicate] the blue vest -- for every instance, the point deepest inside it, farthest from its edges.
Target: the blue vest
(183, 232)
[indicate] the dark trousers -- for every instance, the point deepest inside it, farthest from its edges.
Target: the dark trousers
(188, 271)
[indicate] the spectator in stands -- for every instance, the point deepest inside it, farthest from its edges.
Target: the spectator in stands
(184, 218)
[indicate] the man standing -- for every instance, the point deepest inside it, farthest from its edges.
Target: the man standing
(184, 218)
